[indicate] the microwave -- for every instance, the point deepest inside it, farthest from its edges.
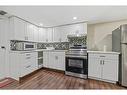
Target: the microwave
(26, 46)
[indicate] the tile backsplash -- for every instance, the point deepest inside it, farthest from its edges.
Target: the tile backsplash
(78, 40)
(57, 45)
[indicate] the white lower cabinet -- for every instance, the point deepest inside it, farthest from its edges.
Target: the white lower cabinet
(103, 67)
(22, 64)
(54, 60)
(45, 59)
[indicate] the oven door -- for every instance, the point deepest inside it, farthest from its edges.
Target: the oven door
(77, 65)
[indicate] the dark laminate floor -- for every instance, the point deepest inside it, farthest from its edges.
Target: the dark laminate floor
(46, 79)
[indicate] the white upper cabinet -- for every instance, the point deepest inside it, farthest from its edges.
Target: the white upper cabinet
(42, 35)
(22, 30)
(36, 31)
(49, 34)
(60, 33)
(77, 29)
(57, 34)
(29, 34)
(17, 29)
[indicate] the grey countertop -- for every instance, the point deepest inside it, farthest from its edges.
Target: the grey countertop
(37, 50)
(104, 52)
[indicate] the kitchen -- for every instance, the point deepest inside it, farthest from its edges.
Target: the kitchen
(76, 55)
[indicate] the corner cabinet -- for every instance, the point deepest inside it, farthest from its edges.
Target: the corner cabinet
(22, 30)
(103, 66)
(22, 64)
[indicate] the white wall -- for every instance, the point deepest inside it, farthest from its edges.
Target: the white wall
(101, 34)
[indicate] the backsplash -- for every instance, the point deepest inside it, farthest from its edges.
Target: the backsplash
(77, 40)
(57, 45)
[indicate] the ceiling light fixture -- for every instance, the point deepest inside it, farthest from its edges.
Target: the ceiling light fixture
(41, 24)
(74, 18)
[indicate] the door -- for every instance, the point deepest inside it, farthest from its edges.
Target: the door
(61, 61)
(36, 31)
(52, 60)
(2, 48)
(124, 65)
(2, 64)
(110, 70)
(76, 65)
(34, 61)
(29, 32)
(46, 59)
(42, 35)
(19, 29)
(57, 35)
(94, 67)
(49, 34)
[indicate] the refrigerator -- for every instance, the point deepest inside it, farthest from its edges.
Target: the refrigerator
(119, 44)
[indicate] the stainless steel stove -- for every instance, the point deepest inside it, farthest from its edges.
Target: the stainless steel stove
(76, 61)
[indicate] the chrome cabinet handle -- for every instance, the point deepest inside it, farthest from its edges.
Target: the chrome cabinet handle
(56, 57)
(60, 39)
(28, 66)
(28, 57)
(27, 54)
(46, 40)
(101, 62)
(102, 56)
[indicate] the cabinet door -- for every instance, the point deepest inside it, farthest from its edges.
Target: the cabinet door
(15, 69)
(64, 32)
(52, 60)
(110, 70)
(19, 29)
(49, 34)
(29, 35)
(36, 31)
(60, 61)
(2, 64)
(94, 67)
(77, 29)
(34, 61)
(57, 35)
(45, 59)
(42, 35)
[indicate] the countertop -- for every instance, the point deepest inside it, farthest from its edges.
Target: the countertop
(107, 52)
(37, 50)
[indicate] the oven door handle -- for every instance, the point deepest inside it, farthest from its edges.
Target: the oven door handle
(72, 56)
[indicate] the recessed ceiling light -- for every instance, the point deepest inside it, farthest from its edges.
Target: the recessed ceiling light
(40, 24)
(74, 18)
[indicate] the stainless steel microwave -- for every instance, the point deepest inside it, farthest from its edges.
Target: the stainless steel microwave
(26, 46)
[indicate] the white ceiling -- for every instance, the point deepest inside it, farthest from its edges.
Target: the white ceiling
(58, 15)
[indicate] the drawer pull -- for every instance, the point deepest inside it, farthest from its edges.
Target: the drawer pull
(28, 66)
(28, 57)
(56, 57)
(102, 56)
(27, 54)
(101, 62)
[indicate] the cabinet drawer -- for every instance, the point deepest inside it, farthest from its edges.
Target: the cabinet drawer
(28, 54)
(104, 56)
(26, 70)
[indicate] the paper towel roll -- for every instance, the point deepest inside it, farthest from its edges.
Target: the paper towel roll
(105, 48)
